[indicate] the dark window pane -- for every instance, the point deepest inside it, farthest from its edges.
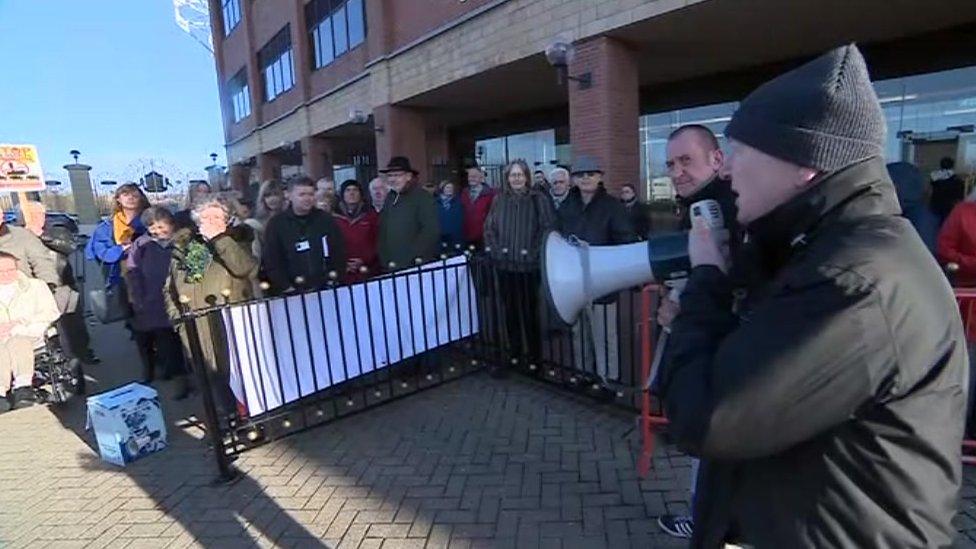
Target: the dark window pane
(357, 22)
(286, 75)
(325, 37)
(279, 81)
(269, 84)
(272, 58)
(339, 30)
(232, 15)
(317, 48)
(240, 100)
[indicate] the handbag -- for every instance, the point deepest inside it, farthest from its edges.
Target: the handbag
(110, 304)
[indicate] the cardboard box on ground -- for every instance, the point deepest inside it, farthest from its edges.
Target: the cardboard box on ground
(127, 422)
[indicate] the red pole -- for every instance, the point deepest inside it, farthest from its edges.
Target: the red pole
(647, 351)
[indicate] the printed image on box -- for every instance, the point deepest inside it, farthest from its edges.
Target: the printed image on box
(128, 423)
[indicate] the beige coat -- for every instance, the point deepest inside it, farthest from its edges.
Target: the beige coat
(32, 309)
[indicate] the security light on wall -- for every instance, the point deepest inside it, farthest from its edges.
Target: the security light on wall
(560, 54)
(361, 117)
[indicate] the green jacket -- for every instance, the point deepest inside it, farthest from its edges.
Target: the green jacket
(409, 229)
(232, 268)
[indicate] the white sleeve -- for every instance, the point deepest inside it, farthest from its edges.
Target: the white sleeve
(44, 311)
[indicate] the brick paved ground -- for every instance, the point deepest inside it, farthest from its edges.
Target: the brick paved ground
(474, 463)
(477, 462)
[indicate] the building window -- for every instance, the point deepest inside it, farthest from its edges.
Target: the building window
(654, 132)
(538, 149)
(929, 116)
(232, 15)
(357, 22)
(335, 27)
(277, 65)
(240, 96)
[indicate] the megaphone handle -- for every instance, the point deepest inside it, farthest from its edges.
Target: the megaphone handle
(662, 342)
(587, 278)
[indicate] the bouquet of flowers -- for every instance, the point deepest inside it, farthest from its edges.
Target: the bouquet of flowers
(196, 259)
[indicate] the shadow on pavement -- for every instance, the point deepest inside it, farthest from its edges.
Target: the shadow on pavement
(179, 497)
(476, 462)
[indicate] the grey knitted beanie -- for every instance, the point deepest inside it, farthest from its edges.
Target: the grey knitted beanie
(824, 114)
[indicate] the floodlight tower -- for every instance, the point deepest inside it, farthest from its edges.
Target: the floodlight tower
(193, 16)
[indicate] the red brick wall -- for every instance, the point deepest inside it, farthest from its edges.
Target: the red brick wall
(411, 19)
(406, 132)
(342, 69)
(604, 118)
(234, 50)
(242, 128)
(268, 17)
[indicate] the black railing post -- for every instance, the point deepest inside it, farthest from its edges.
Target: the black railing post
(226, 472)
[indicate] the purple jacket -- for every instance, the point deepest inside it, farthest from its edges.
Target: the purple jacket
(147, 267)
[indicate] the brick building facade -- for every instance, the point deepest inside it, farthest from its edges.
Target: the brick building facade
(429, 78)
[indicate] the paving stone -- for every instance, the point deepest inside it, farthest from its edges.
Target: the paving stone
(472, 463)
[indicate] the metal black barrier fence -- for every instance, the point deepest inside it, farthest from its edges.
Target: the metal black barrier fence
(599, 356)
(273, 367)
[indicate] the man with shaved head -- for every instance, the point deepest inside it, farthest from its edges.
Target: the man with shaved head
(695, 163)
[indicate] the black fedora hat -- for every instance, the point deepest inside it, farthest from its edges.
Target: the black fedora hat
(399, 164)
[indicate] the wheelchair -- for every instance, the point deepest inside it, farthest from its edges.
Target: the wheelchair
(56, 377)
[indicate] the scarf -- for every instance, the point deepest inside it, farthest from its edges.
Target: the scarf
(349, 212)
(162, 242)
(446, 201)
(558, 200)
(122, 232)
(475, 193)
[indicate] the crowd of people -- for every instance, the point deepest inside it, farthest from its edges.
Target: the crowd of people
(301, 235)
(816, 369)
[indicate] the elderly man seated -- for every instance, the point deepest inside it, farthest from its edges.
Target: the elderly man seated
(27, 308)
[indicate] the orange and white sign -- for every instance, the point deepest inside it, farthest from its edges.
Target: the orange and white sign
(20, 169)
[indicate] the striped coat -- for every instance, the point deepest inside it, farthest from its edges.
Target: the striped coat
(516, 227)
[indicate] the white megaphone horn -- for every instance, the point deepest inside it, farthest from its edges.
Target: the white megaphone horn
(575, 273)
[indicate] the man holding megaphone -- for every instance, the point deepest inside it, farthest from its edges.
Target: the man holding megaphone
(827, 402)
(828, 406)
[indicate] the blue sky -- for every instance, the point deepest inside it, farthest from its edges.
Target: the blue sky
(115, 79)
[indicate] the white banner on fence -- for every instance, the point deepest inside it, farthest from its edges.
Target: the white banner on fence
(288, 348)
